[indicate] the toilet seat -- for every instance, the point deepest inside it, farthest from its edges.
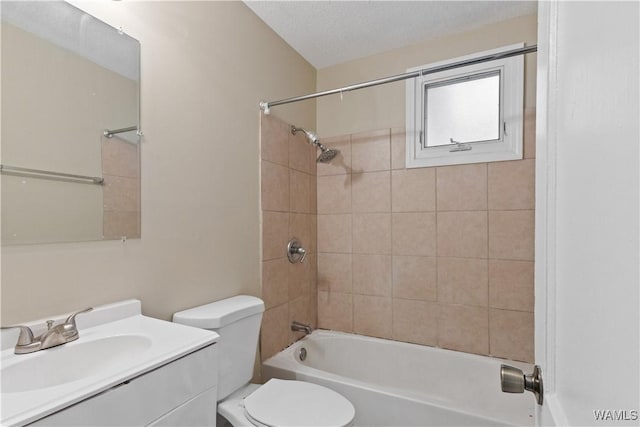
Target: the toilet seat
(297, 403)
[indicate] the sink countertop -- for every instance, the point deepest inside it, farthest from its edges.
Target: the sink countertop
(168, 341)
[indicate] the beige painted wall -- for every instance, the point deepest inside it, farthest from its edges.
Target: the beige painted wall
(384, 106)
(205, 67)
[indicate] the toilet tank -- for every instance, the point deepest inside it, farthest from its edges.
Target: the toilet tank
(237, 321)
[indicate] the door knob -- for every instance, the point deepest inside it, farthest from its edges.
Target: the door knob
(513, 380)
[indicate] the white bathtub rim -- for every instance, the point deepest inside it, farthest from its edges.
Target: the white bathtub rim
(318, 333)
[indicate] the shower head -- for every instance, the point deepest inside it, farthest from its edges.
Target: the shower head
(326, 154)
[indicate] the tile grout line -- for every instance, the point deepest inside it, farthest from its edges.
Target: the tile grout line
(488, 273)
(438, 317)
(391, 334)
(350, 174)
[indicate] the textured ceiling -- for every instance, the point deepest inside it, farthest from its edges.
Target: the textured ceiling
(326, 33)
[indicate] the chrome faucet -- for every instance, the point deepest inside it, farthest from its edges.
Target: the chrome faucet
(54, 335)
(301, 327)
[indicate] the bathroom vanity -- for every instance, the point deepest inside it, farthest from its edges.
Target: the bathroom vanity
(125, 369)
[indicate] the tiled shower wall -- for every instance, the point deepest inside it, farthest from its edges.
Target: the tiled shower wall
(441, 256)
(121, 191)
(288, 198)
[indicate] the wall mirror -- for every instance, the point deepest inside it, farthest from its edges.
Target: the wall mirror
(70, 152)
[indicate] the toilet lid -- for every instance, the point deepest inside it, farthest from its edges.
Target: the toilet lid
(297, 403)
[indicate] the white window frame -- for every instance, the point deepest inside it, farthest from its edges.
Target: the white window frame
(509, 144)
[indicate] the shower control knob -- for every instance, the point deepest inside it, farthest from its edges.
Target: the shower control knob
(513, 380)
(295, 251)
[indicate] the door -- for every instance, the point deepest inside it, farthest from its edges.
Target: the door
(587, 215)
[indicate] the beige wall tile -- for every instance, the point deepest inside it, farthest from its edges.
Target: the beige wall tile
(109, 151)
(314, 274)
(313, 246)
(301, 154)
(274, 140)
(372, 315)
(313, 156)
(398, 148)
(301, 276)
(334, 194)
(341, 164)
(372, 274)
(462, 188)
(415, 321)
(463, 281)
(117, 224)
(120, 158)
(313, 194)
(511, 235)
(121, 193)
(371, 192)
(275, 187)
(275, 234)
(462, 234)
(414, 234)
(529, 133)
(313, 308)
(414, 277)
(512, 185)
(302, 226)
(511, 285)
(464, 328)
(335, 311)
(413, 190)
(314, 278)
(371, 151)
(334, 233)
(301, 197)
(335, 272)
(512, 335)
(274, 335)
(372, 233)
(275, 282)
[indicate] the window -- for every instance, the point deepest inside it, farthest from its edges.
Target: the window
(469, 114)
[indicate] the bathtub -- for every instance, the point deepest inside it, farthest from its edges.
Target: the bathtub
(393, 383)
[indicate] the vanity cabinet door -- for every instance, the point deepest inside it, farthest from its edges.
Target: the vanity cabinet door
(146, 399)
(200, 411)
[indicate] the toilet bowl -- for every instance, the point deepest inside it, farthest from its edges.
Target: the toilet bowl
(275, 403)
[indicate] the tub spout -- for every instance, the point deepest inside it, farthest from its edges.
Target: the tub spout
(301, 327)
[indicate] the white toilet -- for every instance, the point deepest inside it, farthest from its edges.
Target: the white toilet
(277, 402)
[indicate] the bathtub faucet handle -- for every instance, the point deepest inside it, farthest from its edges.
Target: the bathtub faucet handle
(295, 251)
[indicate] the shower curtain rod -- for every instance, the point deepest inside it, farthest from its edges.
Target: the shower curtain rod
(265, 106)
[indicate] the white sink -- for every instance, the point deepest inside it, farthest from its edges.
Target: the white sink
(71, 362)
(116, 344)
